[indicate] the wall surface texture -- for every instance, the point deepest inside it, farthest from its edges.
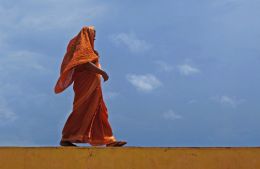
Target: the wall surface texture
(129, 158)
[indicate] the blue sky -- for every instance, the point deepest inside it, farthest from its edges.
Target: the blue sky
(182, 72)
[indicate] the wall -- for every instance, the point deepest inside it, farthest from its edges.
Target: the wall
(129, 158)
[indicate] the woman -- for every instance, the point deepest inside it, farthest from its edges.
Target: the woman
(88, 122)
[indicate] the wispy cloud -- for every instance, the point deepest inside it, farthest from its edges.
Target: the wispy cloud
(6, 113)
(164, 66)
(192, 101)
(131, 41)
(46, 15)
(232, 101)
(2, 40)
(228, 100)
(226, 3)
(110, 95)
(171, 115)
(187, 69)
(146, 83)
(17, 69)
(22, 59)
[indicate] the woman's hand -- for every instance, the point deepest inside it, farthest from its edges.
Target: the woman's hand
(92, 67)
(105, 76)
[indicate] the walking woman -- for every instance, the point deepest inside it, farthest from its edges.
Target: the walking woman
(88, 121)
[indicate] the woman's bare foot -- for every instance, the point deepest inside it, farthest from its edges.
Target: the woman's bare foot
(116, 144)
(67, 143)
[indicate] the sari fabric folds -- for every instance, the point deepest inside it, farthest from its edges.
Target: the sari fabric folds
(88, 122)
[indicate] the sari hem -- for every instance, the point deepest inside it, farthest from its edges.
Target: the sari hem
(84, 139)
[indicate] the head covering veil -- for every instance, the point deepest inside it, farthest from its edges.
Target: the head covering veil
(80, 50)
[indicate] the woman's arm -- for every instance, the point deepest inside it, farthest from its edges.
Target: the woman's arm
(92, 67)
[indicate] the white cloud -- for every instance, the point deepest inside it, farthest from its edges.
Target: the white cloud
(228, 100)
(163, 66)
(130, 40)
(171, 115)
(144, 83)
(187, 70)
(232, 101)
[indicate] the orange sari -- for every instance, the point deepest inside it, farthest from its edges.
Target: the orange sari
(88, 122)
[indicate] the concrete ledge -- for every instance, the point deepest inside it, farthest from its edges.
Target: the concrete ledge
(129, 158)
